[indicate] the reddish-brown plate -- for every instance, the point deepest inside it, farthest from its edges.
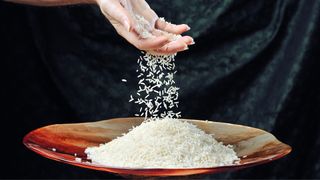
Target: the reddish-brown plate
(61, 142)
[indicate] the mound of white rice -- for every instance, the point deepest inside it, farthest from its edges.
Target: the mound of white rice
(165, 143)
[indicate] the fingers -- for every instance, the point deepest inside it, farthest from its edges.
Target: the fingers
(176, 46)
(114, 10)
(142, 8)
(171, 28)
(153, 43)
(142, 44)
(119, 14)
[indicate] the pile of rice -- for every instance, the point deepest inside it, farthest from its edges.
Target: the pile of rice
(162, 140)
(163, 143)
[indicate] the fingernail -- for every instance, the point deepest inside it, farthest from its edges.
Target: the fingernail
(127, 25)
(188, 28)
(186, 48)
(192, 43)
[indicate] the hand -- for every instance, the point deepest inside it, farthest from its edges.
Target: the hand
(121, 14)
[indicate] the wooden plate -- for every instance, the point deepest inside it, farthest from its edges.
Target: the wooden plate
(61, 142)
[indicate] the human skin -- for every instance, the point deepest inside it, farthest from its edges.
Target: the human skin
(119, 13)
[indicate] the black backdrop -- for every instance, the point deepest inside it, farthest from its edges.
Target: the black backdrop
(255, 62)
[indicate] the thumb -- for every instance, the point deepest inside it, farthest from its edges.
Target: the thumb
(115, 11)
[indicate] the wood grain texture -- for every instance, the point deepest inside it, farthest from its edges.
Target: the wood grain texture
(253, 146)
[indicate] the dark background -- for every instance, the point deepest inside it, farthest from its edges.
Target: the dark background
(255, 62)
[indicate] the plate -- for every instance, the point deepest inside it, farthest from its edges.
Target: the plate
(66, 143)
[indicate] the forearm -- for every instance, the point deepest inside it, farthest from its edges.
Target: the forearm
(52, 2)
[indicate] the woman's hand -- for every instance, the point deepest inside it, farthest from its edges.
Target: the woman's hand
(121, 14)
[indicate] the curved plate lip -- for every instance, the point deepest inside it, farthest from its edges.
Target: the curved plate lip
(51, 155)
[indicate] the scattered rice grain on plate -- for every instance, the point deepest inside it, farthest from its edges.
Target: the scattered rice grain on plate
(162, 140)
(78, 159)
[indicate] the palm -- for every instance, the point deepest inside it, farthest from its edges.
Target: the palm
(121, 14)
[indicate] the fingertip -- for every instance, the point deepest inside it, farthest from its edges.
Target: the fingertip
(186, 27)
(182, 28)
(187, 39)
(190, 41)
(171, 28)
